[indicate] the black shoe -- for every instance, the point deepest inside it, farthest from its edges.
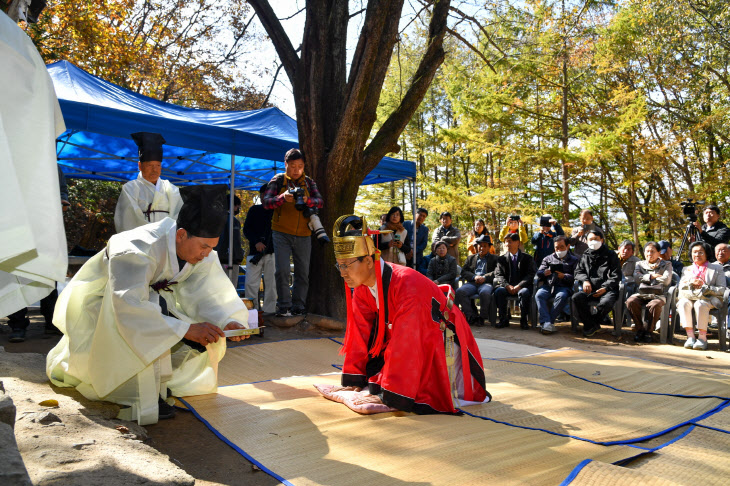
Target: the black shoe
(52, 331)
(481, 322)
(639, 336)
(501, 325)
(524, 324)
(590, 331)
(17, 336)
(647, 338)
(165, 411)
(298, 312)
(283, 313)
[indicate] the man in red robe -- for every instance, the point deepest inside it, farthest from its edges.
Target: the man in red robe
(405, 341)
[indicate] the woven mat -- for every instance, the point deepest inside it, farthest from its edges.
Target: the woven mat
(597, 473)
(719, 420)
(303, 438)
(268, 361)
(492, 348)
(702, 457)
(550, 400)
(635, 374)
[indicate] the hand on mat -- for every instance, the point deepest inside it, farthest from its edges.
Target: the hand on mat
(236, 325)
(366, 398)
(204, 333)
(344, 388)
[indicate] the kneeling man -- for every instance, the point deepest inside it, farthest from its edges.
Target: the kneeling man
(405, 340)
(117, 345)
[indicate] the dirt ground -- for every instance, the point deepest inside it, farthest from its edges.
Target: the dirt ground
(88, 447)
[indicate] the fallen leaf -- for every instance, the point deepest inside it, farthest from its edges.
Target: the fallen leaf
(122, 429)
(49, 403)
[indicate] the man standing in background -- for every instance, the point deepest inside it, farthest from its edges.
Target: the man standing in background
(260, 261)
(419, 240)
(148, 198)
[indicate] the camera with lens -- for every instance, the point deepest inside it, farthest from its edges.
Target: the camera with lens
(256, 258)
(298, 194)
(312, 213)
(689, 209)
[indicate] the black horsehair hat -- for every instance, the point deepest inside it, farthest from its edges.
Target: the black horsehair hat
(204, 212)
(150, 145)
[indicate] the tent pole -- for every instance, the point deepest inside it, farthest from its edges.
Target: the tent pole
(413, 204)
(230, 219)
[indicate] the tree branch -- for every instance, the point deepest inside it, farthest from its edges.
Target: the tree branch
(386, 138)
(276, 74)
(282, 43)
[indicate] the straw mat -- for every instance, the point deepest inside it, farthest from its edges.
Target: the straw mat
(596, 473)
(719, 420)
(550, 400)
(700, 457)
(492, 348)
(301, 437)
(635, 374)
(268, 361)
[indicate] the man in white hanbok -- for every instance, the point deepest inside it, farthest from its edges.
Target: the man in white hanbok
(117, 345)
(148, 198)
(33, 250)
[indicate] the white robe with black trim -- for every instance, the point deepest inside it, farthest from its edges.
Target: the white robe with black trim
(142, 202)
(117, 345)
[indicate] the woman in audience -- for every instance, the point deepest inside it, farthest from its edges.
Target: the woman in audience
(442, 267)
(652, 277)
(480, 228)
(394, 245)
(701, 288)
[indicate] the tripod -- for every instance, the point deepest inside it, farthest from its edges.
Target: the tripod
(689, 232)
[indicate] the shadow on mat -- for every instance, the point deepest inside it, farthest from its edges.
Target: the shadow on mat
(289, 444)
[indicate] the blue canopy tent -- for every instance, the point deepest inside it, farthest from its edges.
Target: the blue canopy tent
(202, 147)
(242, 149)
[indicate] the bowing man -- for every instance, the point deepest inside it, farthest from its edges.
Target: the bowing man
(117, 345)
(405, 340)
(148, 198)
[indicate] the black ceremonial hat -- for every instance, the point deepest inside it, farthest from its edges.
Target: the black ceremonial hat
(204, 212)
(150, 145)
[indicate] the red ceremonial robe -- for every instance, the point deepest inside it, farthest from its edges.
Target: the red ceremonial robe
(411, 374)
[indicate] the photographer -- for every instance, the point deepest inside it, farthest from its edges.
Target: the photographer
(514, 225)
(394, 246)
(260, 261)
(713, 231)
(543, 241)
(579, 237)
(291, 231)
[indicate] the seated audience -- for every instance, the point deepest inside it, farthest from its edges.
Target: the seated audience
(478, 272)
(665, 252)
(598, 273)
(514, 225)
(628, 264)
(579, 236)
(448, 234)
(419, 240)
(555, 280)
(653, 277)
(701, 288)
(442, 267)
(722, 254)
(394, 246)
(513, 276)
(480, 228)
(714, 231)
(544, 239)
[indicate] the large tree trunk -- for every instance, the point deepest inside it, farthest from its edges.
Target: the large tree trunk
(336, 110)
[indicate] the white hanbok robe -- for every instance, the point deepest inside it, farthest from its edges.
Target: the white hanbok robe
(142, 202)
(117, 345)
(33, 254)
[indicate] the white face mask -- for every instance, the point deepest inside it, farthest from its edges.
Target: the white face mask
(594, 244)
(561, 254)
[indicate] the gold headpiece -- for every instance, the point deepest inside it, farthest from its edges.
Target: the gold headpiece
(356, 245)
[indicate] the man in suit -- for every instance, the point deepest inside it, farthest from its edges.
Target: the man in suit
(478, 272)
(513, 276)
